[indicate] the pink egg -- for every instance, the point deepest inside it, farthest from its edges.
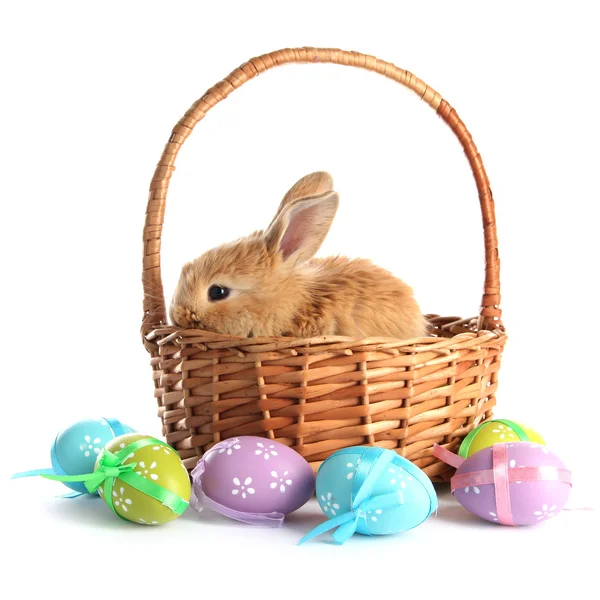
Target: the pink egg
(253, 475)
(517, 483)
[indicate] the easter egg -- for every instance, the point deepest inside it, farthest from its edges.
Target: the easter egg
(252, 475)
(497, 431)
(373, 491)
(155, 463)
(520, 483)
(76, 448)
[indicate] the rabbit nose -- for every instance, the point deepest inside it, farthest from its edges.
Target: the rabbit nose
(182, 316)
(196, 322)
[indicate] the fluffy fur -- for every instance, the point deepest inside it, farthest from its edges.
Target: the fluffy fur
(278, 288)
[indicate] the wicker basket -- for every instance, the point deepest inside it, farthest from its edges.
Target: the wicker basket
(321, 394)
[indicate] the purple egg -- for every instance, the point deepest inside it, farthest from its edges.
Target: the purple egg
(531, 501)
(257, 475)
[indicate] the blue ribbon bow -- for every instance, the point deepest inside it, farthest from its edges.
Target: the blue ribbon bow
(373, 464)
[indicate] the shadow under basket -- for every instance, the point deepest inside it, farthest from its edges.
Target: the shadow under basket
(322, 394)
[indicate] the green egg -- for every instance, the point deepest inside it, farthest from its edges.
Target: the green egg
(156, 462)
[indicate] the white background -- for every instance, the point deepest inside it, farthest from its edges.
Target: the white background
(90, 93)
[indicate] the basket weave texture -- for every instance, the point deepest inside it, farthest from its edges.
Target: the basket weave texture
(321, 394)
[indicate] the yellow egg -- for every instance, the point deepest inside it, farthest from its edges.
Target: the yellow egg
(497, 431)
(157, 463)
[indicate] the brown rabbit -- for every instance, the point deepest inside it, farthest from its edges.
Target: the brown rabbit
(269, 284)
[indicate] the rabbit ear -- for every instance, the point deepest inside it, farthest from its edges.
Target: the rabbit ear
(314, 184)
(299, 230)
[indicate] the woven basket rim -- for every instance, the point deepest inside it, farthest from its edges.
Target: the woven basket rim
(173, 334)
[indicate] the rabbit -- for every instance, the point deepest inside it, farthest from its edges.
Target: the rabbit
(269, 284)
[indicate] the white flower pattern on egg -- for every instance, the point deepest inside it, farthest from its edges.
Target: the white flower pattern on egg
(230, 449)
(242, 488)
(145, 471)
(373, 514)
(353, 468)
(120, 501)
(283, 482)
(397, 478)
(494, 516)
(163, 448)
(475, 489)
(88, 445)
(546, 512)
(329, 504)
(147, 523)
(265, 451)
(504, 431)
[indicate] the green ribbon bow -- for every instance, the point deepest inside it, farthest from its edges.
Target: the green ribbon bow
(110, 467)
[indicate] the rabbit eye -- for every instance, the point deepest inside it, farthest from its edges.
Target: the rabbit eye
(218, 292)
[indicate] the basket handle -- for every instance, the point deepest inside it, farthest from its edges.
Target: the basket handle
(154, 303)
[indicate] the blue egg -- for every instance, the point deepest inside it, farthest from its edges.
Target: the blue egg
(372, 491)
(76, 448)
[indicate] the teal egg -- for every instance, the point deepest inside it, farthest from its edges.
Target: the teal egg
(340, 477)
(76, 448)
